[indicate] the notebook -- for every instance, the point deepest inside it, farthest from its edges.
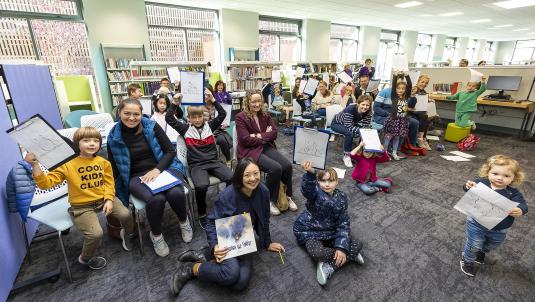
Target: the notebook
(163, 182)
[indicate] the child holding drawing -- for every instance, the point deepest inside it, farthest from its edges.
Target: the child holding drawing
(467, 103)
(324, 226)
(365, 172)
(91, 190)
(498, 173)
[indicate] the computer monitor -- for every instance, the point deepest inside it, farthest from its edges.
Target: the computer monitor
(501, 83)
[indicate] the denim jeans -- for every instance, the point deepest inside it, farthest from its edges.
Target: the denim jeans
(414, 124)
(478, 238)
(322, 112)
(233, 272)
(368, 188)
(348, 136)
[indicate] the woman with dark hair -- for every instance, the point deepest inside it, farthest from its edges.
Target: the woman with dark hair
(247, 194)
(139, 150)
(256, 139)
(221, 95)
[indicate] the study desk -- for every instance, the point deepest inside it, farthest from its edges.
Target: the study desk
(526, 106)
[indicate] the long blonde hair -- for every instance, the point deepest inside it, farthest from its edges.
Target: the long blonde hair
(247, 100)
(503, 160)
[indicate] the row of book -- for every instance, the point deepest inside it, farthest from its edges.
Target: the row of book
(112, 63)
(241, 85)
(118, 87)
(250, 72)
(452, 88)
(119, 75)
(148, 88)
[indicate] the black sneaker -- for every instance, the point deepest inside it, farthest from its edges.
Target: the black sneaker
(481, 259)
(183, 274)
(468, 268)
(193, 256)
(203, 221)
(95, 263)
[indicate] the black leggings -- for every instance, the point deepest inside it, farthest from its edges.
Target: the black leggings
(201, 180)
(224, 141)
(278, 169)
(156, 203)
(422, 117)
(323, 251)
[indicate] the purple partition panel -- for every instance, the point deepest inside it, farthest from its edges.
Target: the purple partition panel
(32, 92)
(12, 247)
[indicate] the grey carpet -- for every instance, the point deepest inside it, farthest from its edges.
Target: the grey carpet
(413, 239)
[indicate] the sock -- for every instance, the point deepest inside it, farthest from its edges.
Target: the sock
(183, 223)
(156, 237)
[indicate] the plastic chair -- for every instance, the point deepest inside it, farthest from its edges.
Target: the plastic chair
(72, 120)
(297, 113)
(54, 213)
(68, 133)
(234, 146)
(97, 121)
(106, 132)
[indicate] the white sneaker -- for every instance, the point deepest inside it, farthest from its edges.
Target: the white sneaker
(186, 231)
(273, 209)
(395, 156)
(291, 204)
(347, 161)
(474, 126)
(160, 246)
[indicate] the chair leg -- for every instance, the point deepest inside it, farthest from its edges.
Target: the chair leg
(26, 243)
(139, 231)
(67, 266)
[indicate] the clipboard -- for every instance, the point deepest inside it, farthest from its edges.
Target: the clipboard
(313, 147)
(164, 181)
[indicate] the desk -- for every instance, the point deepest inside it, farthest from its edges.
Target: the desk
(526, 106)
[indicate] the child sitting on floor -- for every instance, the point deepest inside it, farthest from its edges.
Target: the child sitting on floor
(498, 173)
(91, 190)
(324, 227)
(365, 172)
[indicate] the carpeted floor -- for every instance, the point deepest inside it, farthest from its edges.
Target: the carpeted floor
(413, 239)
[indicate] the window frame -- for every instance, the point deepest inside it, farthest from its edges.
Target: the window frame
(418, 44)
(278, 34)
(386, 42)
(454, 46)
(341, 40)
(532, 52)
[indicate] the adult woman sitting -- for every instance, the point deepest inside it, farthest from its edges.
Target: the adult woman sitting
(421, 116)
(139, 150)
(246, 195)
(221, 95)
(256, 139)
(348, 122)
(324, 98)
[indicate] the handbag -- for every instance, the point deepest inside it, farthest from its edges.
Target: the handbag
(282, 200)
(468, 143)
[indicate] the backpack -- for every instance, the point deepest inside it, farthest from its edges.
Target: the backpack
(412, 150)
(282, 201)
(468, 143)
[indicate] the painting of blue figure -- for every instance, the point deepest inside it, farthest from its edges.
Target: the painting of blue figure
(236, 234)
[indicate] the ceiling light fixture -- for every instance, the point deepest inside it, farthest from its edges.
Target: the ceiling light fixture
(504, 25)
(451, 14)
(481, 21)
(521, 29)
(408, 4)
(514, 3)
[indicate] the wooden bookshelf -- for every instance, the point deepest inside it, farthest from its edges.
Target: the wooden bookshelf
(245, 75)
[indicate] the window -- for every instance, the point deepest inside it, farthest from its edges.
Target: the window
(279, 39)
(490, 52)
(472, 50)
(449, 49)
(59, 38)
(388, 47)
(524, 51)
(344, 43)
(183, 34)
(423, 48)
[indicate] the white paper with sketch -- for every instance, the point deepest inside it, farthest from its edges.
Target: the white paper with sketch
(325, 77)
(299, 72)
(371, 140)
(192, 87)
(432, 138)
(373, 85)
(454, 158)
(340, 172)
(475, 76)
(414, 75)
(431, 109)
(422, 102)
(37, 136)
(236, 233)
(344, 77)
(310, 144)
(276, 76)
(174, 74)
(302, 85)
(485, 205)
(228, 110)
(400, 63)
(310, 86)
(462, 154)
(172, 134)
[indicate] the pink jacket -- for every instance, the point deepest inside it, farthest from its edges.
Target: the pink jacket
(364, 165)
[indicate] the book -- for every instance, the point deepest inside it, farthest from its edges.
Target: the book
(163, 182)
(236, 234)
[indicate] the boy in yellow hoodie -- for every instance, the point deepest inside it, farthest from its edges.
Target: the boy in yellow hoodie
(91, 189)
(467, 103)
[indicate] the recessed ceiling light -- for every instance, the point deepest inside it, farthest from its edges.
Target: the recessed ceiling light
(451, 14)
(481, 21)
(533, 33)
(408, 4)
(426, 15)
(514, 3)
(521, 29)
(504, 25)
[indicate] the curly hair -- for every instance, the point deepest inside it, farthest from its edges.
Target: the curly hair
(247, 99)
(503, 160)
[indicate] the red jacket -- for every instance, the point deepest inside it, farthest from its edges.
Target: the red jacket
(364, 165)
(251, 146)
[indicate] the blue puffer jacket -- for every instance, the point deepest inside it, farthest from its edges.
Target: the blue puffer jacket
(20, 188)
(325, 217)
(121, 156)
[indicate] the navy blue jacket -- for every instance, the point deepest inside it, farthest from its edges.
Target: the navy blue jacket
(225, 206)
(509, 193)
(325, 217)
(20, 188)
(121, 156)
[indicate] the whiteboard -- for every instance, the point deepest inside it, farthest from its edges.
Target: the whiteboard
(312, 145)
(192, 87)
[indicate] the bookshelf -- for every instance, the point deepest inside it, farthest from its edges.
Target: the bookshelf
(117, 59)
(245, 75)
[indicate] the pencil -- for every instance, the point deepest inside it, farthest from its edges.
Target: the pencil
(282, 259)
